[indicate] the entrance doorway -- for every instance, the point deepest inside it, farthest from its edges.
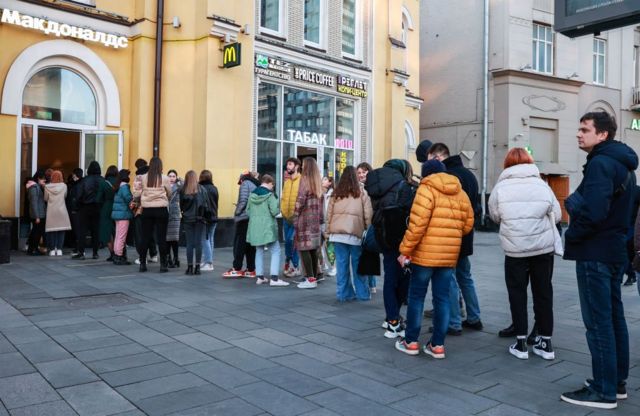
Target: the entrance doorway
(306, 151)
(58, 150)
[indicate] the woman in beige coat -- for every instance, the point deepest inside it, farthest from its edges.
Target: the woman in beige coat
(349, 214)
(58, 222)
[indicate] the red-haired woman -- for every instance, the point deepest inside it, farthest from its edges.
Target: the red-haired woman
(523, 204)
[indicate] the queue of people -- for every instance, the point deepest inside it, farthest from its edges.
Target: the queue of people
(421, 230)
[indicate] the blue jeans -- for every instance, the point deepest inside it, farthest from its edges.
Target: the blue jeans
(194, 234)
(344, 282)
(55, 240)
(420, 277)
(603, 316)
(463, 282)
(291, 254)
(274, 248)
(395, 286)
(371, 280)
(207, 243)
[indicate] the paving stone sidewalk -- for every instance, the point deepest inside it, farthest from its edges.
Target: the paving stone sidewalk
(90, 338)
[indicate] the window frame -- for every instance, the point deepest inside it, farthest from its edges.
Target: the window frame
(282, 26)
(538, 44)
(596, 61)
(636, 65)
(322, 26)
(357, 39)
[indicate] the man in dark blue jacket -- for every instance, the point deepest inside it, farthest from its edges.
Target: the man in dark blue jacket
(600, 212)
(463, 282)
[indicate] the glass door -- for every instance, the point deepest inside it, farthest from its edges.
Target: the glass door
(105, 147)
(310, 151)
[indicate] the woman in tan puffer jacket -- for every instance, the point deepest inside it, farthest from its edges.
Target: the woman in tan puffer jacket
(349, 214)
(153, 190)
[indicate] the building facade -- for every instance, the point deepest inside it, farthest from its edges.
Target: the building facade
(245, 85)
(540, 83)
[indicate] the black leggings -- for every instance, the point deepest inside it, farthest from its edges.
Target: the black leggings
(242, 249)
(310, 262)
(173, 247)
(154, 218)
(37, 231)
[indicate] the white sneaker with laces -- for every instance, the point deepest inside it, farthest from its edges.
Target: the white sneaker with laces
(278, 283)
(52, 253)
(309, 283)
(58, 252)
(260, 280)
(208, 267)
(331, 272)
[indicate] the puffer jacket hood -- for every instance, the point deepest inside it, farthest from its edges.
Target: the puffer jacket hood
(443, 182)
(380, 181)
(56, 188)
(260, 195)
(618, 151)
(521, 203)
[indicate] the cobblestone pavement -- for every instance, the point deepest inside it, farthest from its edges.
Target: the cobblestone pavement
(90, 338)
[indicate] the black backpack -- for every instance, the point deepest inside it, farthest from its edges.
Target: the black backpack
(390, 221)
(205, 210)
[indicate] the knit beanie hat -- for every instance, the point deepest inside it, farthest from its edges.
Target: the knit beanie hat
(423, 150)
(432, 166)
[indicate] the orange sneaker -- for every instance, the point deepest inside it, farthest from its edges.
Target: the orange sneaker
(411, 348)
(233, 273)
(436, 351)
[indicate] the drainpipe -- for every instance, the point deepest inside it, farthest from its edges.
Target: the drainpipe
(485, 105)
(158, 79)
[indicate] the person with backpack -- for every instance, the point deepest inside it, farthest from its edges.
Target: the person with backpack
(463, 281)
(348, 215)
(241, 249)
(440, 215)
(192, 205)
(391, 192)
(122, 215)
(210, 217)
(89, 210)
(262, 232)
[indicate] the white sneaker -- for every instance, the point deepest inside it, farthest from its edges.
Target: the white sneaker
(278, 283)
(331, 272)
(208, 267)
(261, 280)
(58, 252)
(394, 331)
(52, 253)
(373, 290)
(153, 259)
(294, 272)
(309, 283)
(137, 261)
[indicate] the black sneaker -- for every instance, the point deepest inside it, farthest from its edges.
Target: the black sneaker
(450, 331)
(621, 391)
(533, 336)
(543, 349)
(508, 332)
(78, 256)
(472, 325)
(520, 349)
(586, 397)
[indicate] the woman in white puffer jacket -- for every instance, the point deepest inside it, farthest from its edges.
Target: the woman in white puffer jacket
(523, 204)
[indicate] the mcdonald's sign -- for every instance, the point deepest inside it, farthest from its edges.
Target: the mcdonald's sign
(231, 55)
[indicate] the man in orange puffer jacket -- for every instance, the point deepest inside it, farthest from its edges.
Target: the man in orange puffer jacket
(440, 215)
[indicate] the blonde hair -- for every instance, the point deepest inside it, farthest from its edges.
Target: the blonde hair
(311, 179)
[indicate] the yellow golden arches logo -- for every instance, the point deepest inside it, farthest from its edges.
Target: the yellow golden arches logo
(231, 55)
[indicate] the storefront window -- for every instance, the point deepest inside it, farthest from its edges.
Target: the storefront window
(344, 158)
(269, 159)
(269, 111)
(57, 94)
(320, 133)
(344, 124)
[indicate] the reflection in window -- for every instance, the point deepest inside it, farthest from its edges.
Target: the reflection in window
(269, 161)
(349, 26)
(322, 118)
(344, 123)
(58, 94)
(268, 110)
(344, 158)
(312, 20)
(270, 14)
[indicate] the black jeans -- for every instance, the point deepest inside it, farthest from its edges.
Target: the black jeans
(194, 234)
(518, 271)
(154, 219)
(89, 220)
(37, 231)
(242, 249)
(138, 237)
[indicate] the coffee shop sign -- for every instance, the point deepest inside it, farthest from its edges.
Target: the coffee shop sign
(306, 137)
(49, 27)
